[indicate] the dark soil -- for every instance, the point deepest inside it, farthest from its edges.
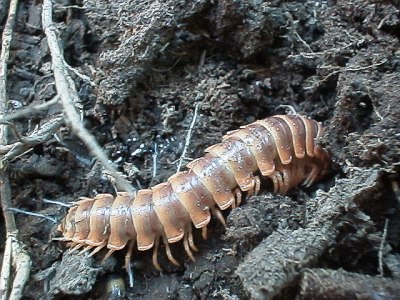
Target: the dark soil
(147, 65)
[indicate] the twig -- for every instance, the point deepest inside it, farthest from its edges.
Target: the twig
(22, 264)
(350, 69)
(14, 255)
(380, 254)
(4, 149)
(338, 70)
(111, 178)
(69, 96)
(14, 130)
(130, 275)
(188, 136)
(155, 155)
(6, 271)
(5, 55)
(30, 213)
(58, 203)
(37, 137)
(72, 6)
(293, 25)
(80, 75)
(30, 110)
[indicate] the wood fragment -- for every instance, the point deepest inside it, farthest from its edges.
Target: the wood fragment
(339, 284)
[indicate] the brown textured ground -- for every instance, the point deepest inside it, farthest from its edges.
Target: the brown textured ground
(150, 63)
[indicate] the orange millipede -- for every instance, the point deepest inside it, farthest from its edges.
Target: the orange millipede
(281, 148)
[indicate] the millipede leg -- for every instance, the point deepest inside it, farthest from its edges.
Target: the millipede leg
(97, 249)
(191, 241)
(155, 255)
(129, 254)
(72, 245)
(275, 182)
(238, 196)
(280, 181)
(76, 247)
(257, 185)
(233, 204)
(204, 232)
(251, 191)
(111, 251)
(87, 248)
(311, 178)
(307, 180)
(187, 248)
(220, 217)
(319, 152)
(168, 251)
(286, 182)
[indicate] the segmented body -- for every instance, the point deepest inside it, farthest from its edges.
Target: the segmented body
(281, 148)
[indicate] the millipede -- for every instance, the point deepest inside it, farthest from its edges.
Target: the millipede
(281, 149)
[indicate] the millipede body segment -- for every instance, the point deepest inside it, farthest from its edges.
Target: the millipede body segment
(281, 148)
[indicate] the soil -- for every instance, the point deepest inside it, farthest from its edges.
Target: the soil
(141, 69)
